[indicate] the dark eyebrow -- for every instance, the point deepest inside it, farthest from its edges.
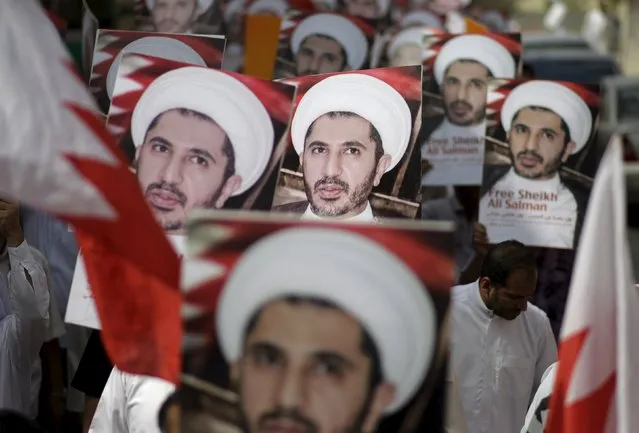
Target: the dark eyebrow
(261, 345)
(202, 153)
(550, 130)
(333, 358)
(161, 140)
(352, 143)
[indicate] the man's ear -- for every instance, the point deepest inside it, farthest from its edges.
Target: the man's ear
(484, 286)
(383, 396)
(568, 151)
(382, 166)
(230, 186)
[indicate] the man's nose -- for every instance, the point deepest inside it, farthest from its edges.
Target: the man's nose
(462, 92)
(532, 142)
(291, 389)
(172, 170)
(333, 165)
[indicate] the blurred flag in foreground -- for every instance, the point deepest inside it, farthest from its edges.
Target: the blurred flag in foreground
(56, 155)
(597, 385)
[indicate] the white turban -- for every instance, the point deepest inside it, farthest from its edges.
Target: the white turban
(411, 35)
(203, 5)
(278, 7)
(366, 96)
(347, 269)
(232, 105)
(422, 18)
(157, 46)
(555, 97)
(490, 53)
(337, 27)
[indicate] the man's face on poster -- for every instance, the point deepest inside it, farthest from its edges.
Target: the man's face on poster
(464, 92)
(186, 162)
(407, 55)
(539, 143)
(363, 8)
(442, 7)
(343, 160)
(319, 54)
(174, 16)
(309, 367)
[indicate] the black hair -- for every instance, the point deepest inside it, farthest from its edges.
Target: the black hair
(504, 258)
(564, 125)
(367, 345)
(227, 147)
(374, 134)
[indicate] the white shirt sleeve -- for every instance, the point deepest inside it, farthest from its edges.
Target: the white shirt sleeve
(55, 324)
(109, 414)
(27, 299)
(22, 331)
(547, 353)
(130, 404)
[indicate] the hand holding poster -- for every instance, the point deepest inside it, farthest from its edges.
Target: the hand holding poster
(279, 333)
(539, 161)
(352, 155)
(452, 140)
(111, 45)
(322, 43)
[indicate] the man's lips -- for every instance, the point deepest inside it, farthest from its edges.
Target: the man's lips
(528, 161)
(283, 425)
(329, 192)
(164, 199)
(460, 109)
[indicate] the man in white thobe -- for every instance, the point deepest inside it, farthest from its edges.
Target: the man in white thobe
(130, 404)
(24, 304)
(501, 344)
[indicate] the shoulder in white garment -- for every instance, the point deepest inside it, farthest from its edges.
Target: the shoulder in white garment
(130, 404)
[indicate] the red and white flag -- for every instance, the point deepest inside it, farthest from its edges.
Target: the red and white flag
(597, 385)
(56, 155)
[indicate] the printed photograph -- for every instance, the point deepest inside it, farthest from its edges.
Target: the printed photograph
(199, 137)
(352, 153)
(111, 45)
(90, 27)
(322, 43)
(178, 16)
(275, 339)
(540, 161)
(452, 135)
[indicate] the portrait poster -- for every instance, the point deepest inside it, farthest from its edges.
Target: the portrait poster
(90, 27)
(196, 138)
(287, 291)
(352, 153)
(322, 42)
(541, 159)
(452, 135)
(110, 46)
(179, 16)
